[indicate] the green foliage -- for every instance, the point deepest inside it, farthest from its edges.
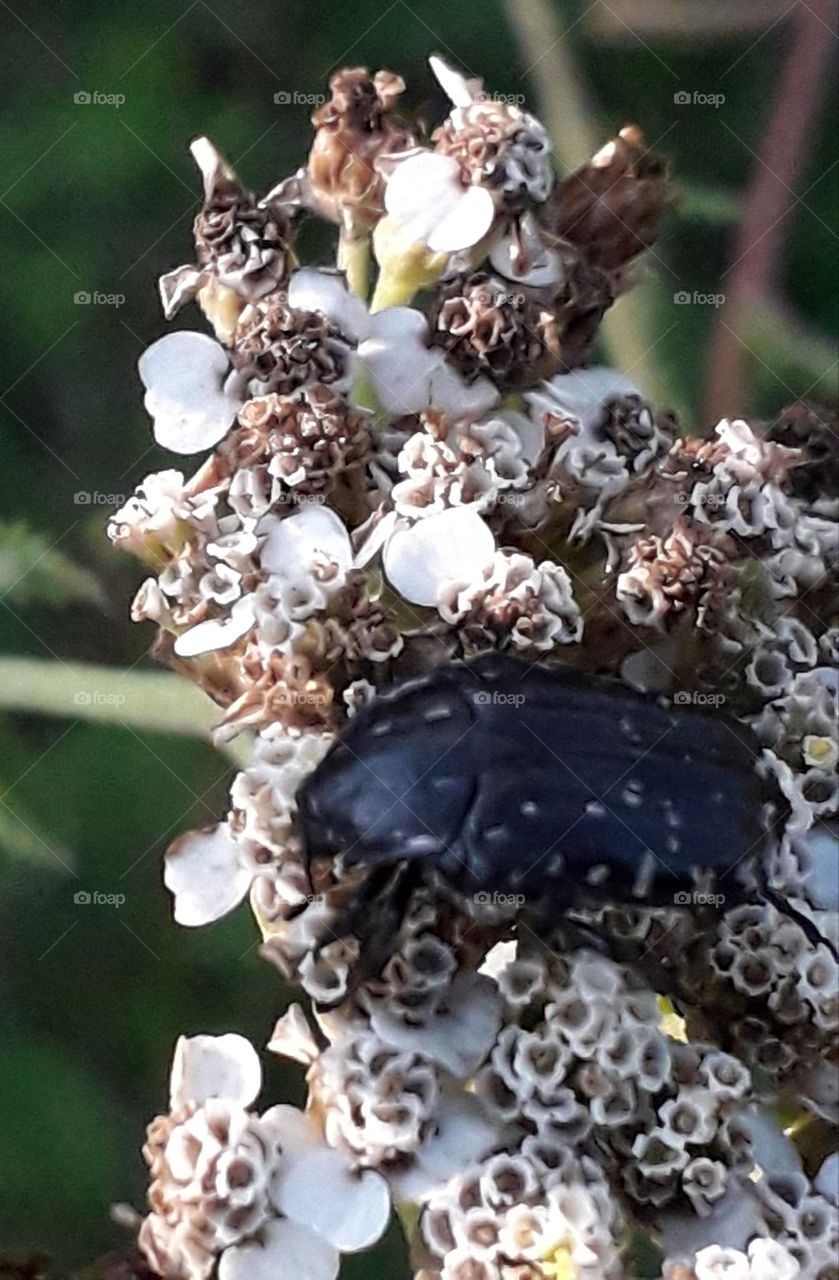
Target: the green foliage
(35, 570)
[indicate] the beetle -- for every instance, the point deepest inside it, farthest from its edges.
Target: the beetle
(544, 785)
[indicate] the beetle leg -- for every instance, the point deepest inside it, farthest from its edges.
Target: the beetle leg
(787, 910)
(392, 889)
(354, 914)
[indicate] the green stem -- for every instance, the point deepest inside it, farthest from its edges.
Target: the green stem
(393, 289)
(354, 259)
(149, 701)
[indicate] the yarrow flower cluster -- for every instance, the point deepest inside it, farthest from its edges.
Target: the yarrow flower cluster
(383, 487)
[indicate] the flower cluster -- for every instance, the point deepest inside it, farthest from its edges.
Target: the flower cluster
(385, 486)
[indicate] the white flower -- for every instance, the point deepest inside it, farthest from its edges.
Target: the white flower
(462, 1134)
(263, 1194)
(406, 373)
(156, 508)
(582, 396)
(318, 1188)
(207, 874)
(427, 197)
(827, 1179)
(190, 391)
(217, 633)
(207, 1067)
(450, 546)
(459, 1036)
(589, 456)
(282, 1248)
(312, 538)
(292, 1037)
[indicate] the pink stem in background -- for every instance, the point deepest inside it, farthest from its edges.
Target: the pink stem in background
(759, 244)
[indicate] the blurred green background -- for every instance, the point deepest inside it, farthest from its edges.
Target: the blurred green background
(97, 198)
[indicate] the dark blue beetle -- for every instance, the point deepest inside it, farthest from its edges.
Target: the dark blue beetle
(512, 779)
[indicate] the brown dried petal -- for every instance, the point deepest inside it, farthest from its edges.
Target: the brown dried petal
(611, 208)
(487, 328)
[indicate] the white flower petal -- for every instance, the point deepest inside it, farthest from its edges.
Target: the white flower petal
(465, 224)
(204, 871)
(214, 168)
(214, 1067)
(453, 395)
(498, 958)
(311, 290)
(773, 1151)
(453, 545)
(409, 376)
(398, 360)
(217, 633)
(827, 1179)
(284, 1248)
(375, 538)
(297, 542)
(319, 1190)
(292, 1037)
(821, 879)
(464, 1135)
(453, 83)
(293, 1129)
(583, 394)
(184, 375)
(425, 194)
(460, 1035)
(734, 1220)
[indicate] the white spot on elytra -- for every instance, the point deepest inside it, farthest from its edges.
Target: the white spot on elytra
(439, 711)
(493, 834)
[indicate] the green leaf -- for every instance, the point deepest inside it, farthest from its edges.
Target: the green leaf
(146, 701)
(23, 838)
(34, 570)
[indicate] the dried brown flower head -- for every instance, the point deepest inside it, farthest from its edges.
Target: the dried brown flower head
(307, 436)
(500, 147)
(487, 326)
(243, 247)
(278, 348)
(353, 130)
(611, 207)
